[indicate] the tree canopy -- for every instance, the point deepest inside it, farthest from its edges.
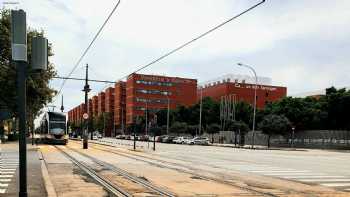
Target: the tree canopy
(38, 91)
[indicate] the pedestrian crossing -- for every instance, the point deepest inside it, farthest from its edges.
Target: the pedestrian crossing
(304, 176)
(8, 167)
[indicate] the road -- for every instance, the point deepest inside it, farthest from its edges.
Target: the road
(326, 169)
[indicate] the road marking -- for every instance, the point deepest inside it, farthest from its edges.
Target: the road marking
(2, 191)
(335, 184)
(4, 185)
(5, 176)
(7, 172)
(278, 171)
(8, 169)
(324, 180)
(5, 180)
(310, 176)
(293, 173)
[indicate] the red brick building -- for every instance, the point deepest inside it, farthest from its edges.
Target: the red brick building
(119, 105)
(152, 92)
(101, 103)
(109, 111)
(94, 106)
(243, 92)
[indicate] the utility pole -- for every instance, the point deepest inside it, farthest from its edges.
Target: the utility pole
(167, 116)
(200, 113)
(86, 120)
(19, 56)
(123, 120)
(62, 107)
(254, 110)
(39, 62)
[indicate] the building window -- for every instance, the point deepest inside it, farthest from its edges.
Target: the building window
(154, 83)
(267, 94)
(153, 92)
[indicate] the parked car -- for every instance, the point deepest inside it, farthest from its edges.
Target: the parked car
(127, 137)
(168, 139)
(181, 140)
(143, 137)
(198, 141)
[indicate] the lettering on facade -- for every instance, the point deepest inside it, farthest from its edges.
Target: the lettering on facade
(165, 79)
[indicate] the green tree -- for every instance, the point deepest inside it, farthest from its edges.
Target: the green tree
(178, 127)
(38, 91)
(274, 125)
(212, 129)
(239, 128)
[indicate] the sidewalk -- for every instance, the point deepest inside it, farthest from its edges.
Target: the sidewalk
(35, 182)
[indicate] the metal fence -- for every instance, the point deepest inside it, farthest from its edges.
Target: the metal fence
(323, 139)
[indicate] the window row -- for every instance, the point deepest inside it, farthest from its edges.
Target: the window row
(153, 92)
(150, 110)
(155, 83)
(144, 100)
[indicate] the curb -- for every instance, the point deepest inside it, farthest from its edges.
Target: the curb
(50, 189)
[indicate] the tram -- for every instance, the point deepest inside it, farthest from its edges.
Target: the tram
(53, 128)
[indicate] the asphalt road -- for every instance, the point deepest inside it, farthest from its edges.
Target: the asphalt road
(313, 167)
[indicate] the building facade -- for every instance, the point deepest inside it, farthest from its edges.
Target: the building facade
(119, 105)
(152, 93)
(109, 112)
(101, 104)
(242, 92)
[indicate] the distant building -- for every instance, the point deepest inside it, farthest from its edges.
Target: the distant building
(109, 111)
(241, 90)
(101, 105)
(152, 92)
(119, 105)
(94, 106)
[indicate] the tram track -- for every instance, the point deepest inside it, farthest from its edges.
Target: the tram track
(144, 183)
(109, 186)
(179, 168)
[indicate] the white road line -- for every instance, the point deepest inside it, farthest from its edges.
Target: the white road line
(5, 180)
(293, 174)
(7, 172)
(4, 185)
(310, 176)
(278, 171)
(324, 180)
(2, 191)
(5, 176)
(8, 169)
(335, 184)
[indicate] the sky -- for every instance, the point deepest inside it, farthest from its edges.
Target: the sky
(302, 45)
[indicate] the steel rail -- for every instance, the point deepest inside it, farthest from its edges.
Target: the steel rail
(142, 159)
(115, 190)
(127, 175)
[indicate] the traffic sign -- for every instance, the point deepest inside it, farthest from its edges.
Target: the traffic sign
(85, 116)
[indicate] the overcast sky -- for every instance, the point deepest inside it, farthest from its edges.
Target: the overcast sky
(301, 44)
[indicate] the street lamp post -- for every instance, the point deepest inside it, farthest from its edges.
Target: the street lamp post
(167, 116)
(293, 129)
(200, 113)
(256, 85)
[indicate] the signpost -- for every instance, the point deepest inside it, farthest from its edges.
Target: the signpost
(39, 62)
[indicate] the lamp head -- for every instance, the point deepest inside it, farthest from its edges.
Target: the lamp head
(239, 64)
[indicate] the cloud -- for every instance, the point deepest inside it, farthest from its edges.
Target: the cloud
(299, 44)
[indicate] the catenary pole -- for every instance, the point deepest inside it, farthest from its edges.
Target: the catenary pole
(86, 121)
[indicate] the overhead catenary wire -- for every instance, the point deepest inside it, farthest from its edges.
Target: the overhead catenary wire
(189, 42)
(89, 46)
(194, 39)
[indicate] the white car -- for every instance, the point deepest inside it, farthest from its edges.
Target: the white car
(199, 141)
(181, 140)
